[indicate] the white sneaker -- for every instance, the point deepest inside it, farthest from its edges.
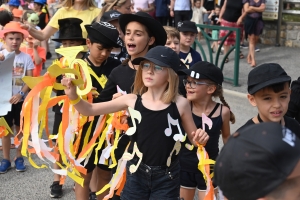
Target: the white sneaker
(257, 49)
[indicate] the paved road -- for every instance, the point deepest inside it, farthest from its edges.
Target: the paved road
(34, 183)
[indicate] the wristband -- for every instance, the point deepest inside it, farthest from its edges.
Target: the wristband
(76, 101)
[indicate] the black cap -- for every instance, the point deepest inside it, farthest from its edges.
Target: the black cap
(204, 70)
(256, 160)
(70, 29)
(152, 25)
(110, 16)
(162, 56)
(187, 26)
(265, 75)
(103, 33)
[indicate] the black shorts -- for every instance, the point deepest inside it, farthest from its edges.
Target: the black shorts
(90, 166)
(13, 117)
(190, 180)
(57, 121)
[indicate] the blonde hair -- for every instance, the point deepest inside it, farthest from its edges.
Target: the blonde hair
(108, 5)
(172, 32)
(171, 91)
(69, 3)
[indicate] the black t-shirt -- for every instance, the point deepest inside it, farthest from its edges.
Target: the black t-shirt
(290, 123)
(233, 10)
(122, 55)
(42, 24)
(215, 19)
(209, 5)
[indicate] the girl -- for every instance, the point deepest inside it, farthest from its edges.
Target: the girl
(156, 98)
(204, 81)
(253, 25)
(122, 6)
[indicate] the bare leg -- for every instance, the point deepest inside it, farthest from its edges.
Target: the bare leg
(187, 194)
(93, 183)
(6, 147)
(103, 179)
(82, 193)
(252, 49)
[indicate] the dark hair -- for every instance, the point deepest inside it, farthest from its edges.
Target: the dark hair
(5, 17)
(104, 45)
(276, 87)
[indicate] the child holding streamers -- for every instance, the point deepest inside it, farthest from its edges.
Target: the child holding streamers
(157, 102)
(203, 82)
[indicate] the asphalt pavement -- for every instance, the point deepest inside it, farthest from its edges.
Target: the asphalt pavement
(34, 184)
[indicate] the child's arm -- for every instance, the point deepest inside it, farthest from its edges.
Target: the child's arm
(2, 57)
(36, 58)
(225, 126)
(88, 109)
(211, 14)
(196, 136)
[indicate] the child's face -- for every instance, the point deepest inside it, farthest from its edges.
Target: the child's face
(97, 52)
(198, 89)
(198, 4)
(13, 41)
(71, 43)
(125, 8)
(271, 106)
(137, 39)
(187, 38)
(173, 43)
(217, 11)
(154, 75)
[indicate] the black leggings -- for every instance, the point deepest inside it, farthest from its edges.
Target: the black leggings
(182, 16)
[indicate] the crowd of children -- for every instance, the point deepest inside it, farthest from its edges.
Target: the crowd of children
(164, 79)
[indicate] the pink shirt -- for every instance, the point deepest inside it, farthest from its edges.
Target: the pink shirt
(143, 4)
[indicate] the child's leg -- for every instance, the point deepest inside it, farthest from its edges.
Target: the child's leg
(83, 192)
(188, 185)
(187, 193)
(104, 175)
(252, 49)
(6, 147)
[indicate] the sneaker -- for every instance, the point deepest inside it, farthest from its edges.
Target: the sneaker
(56, 190)
(257, 49)
(244, 46)
(20, 165)
(93, 196)
(5, 166)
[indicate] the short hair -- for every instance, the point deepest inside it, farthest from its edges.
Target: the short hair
(172, 32)
(281, 191)
(5, 17)
(275, 87)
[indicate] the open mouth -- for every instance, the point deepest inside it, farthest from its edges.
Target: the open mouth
(276, 113)
(131, 46)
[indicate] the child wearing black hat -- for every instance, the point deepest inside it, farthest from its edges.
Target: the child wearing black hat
(153, 173)
(269, 91)
(188, 32)
(203, 83)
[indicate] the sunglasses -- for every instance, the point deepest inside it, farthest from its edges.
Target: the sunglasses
(156, 68)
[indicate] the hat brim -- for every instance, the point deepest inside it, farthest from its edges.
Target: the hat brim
(5, 31)
(187, 30)
(90, 29)
(255, 88)
(61, 39)
(153, 26)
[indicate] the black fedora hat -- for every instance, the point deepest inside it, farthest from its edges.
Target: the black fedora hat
(103, 33)
(153, 25)
(70, 29)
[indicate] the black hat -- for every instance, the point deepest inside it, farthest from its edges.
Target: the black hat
(265, 75)
(103, 33)
(70, 29)
(110, 16)
(204, 70)
(256, 160)
(187, 26)
(162, 56)
(144, 18)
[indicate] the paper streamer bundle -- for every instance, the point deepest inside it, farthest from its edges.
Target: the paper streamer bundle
(4, 128)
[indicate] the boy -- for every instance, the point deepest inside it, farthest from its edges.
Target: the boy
(13, 36)
(269, 91)
(214, 17)
(188, 32)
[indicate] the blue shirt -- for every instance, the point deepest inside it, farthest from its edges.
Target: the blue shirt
(161, 7)
(190, 58)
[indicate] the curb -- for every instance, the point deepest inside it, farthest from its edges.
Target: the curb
(235, 93)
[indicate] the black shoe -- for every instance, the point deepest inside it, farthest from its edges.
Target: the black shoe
(56, 190)
(93, 196)
(48, 55)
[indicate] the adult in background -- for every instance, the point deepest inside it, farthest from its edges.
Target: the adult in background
(122, 6)
(253, 25)
(162, 11)
(209, 6)
(231, 16)
(143, 5)
(85, 10)
(181, 10)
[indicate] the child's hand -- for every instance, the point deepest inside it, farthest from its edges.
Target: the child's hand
(36, 43)
(15, 99)
(200, 137)
(70, 88)
(2, 57)
(117, 95)
(95, 94)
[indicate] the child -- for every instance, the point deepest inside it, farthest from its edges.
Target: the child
(203, 83)
(17, 15)
(70, 35)
(155, 97)
(214, 17)
(197, 17)
(188, 32)
(37, 54)
(269, 91)
(5, 17)
(13, 36)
